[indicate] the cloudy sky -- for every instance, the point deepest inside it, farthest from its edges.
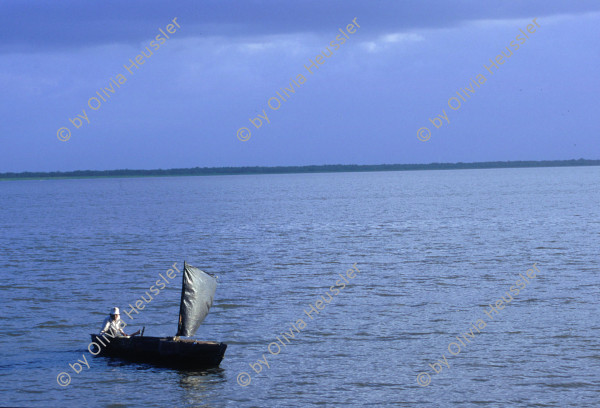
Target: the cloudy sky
(184, 104)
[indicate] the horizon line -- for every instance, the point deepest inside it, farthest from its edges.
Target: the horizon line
(315, 168)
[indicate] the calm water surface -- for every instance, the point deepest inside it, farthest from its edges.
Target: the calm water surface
(434, 249)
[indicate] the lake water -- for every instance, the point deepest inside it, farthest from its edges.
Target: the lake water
(434, 250)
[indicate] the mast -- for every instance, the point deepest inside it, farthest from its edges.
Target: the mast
(181, 301)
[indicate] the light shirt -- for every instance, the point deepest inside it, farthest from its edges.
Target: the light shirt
(112, 327)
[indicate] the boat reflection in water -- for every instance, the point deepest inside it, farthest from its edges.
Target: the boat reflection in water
(197, 294)
(199, 385)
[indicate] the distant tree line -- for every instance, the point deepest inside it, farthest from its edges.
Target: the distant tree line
(330, 168)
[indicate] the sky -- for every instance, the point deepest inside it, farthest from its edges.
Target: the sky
(187, 102)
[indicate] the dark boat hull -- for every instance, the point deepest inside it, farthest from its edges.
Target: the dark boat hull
(162, 351)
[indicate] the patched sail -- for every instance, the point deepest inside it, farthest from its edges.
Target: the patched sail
(197, 296)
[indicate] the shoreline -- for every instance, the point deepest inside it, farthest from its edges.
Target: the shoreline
(255, 170)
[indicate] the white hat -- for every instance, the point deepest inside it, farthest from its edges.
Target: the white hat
(115, 311)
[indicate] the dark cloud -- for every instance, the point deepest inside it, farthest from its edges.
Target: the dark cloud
(28, 25)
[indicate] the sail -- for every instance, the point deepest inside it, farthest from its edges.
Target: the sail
(197, 296)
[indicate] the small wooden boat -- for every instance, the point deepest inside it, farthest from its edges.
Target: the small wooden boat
(197, 296)
(164, 351)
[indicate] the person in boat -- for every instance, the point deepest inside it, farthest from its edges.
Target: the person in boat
(114, 326)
